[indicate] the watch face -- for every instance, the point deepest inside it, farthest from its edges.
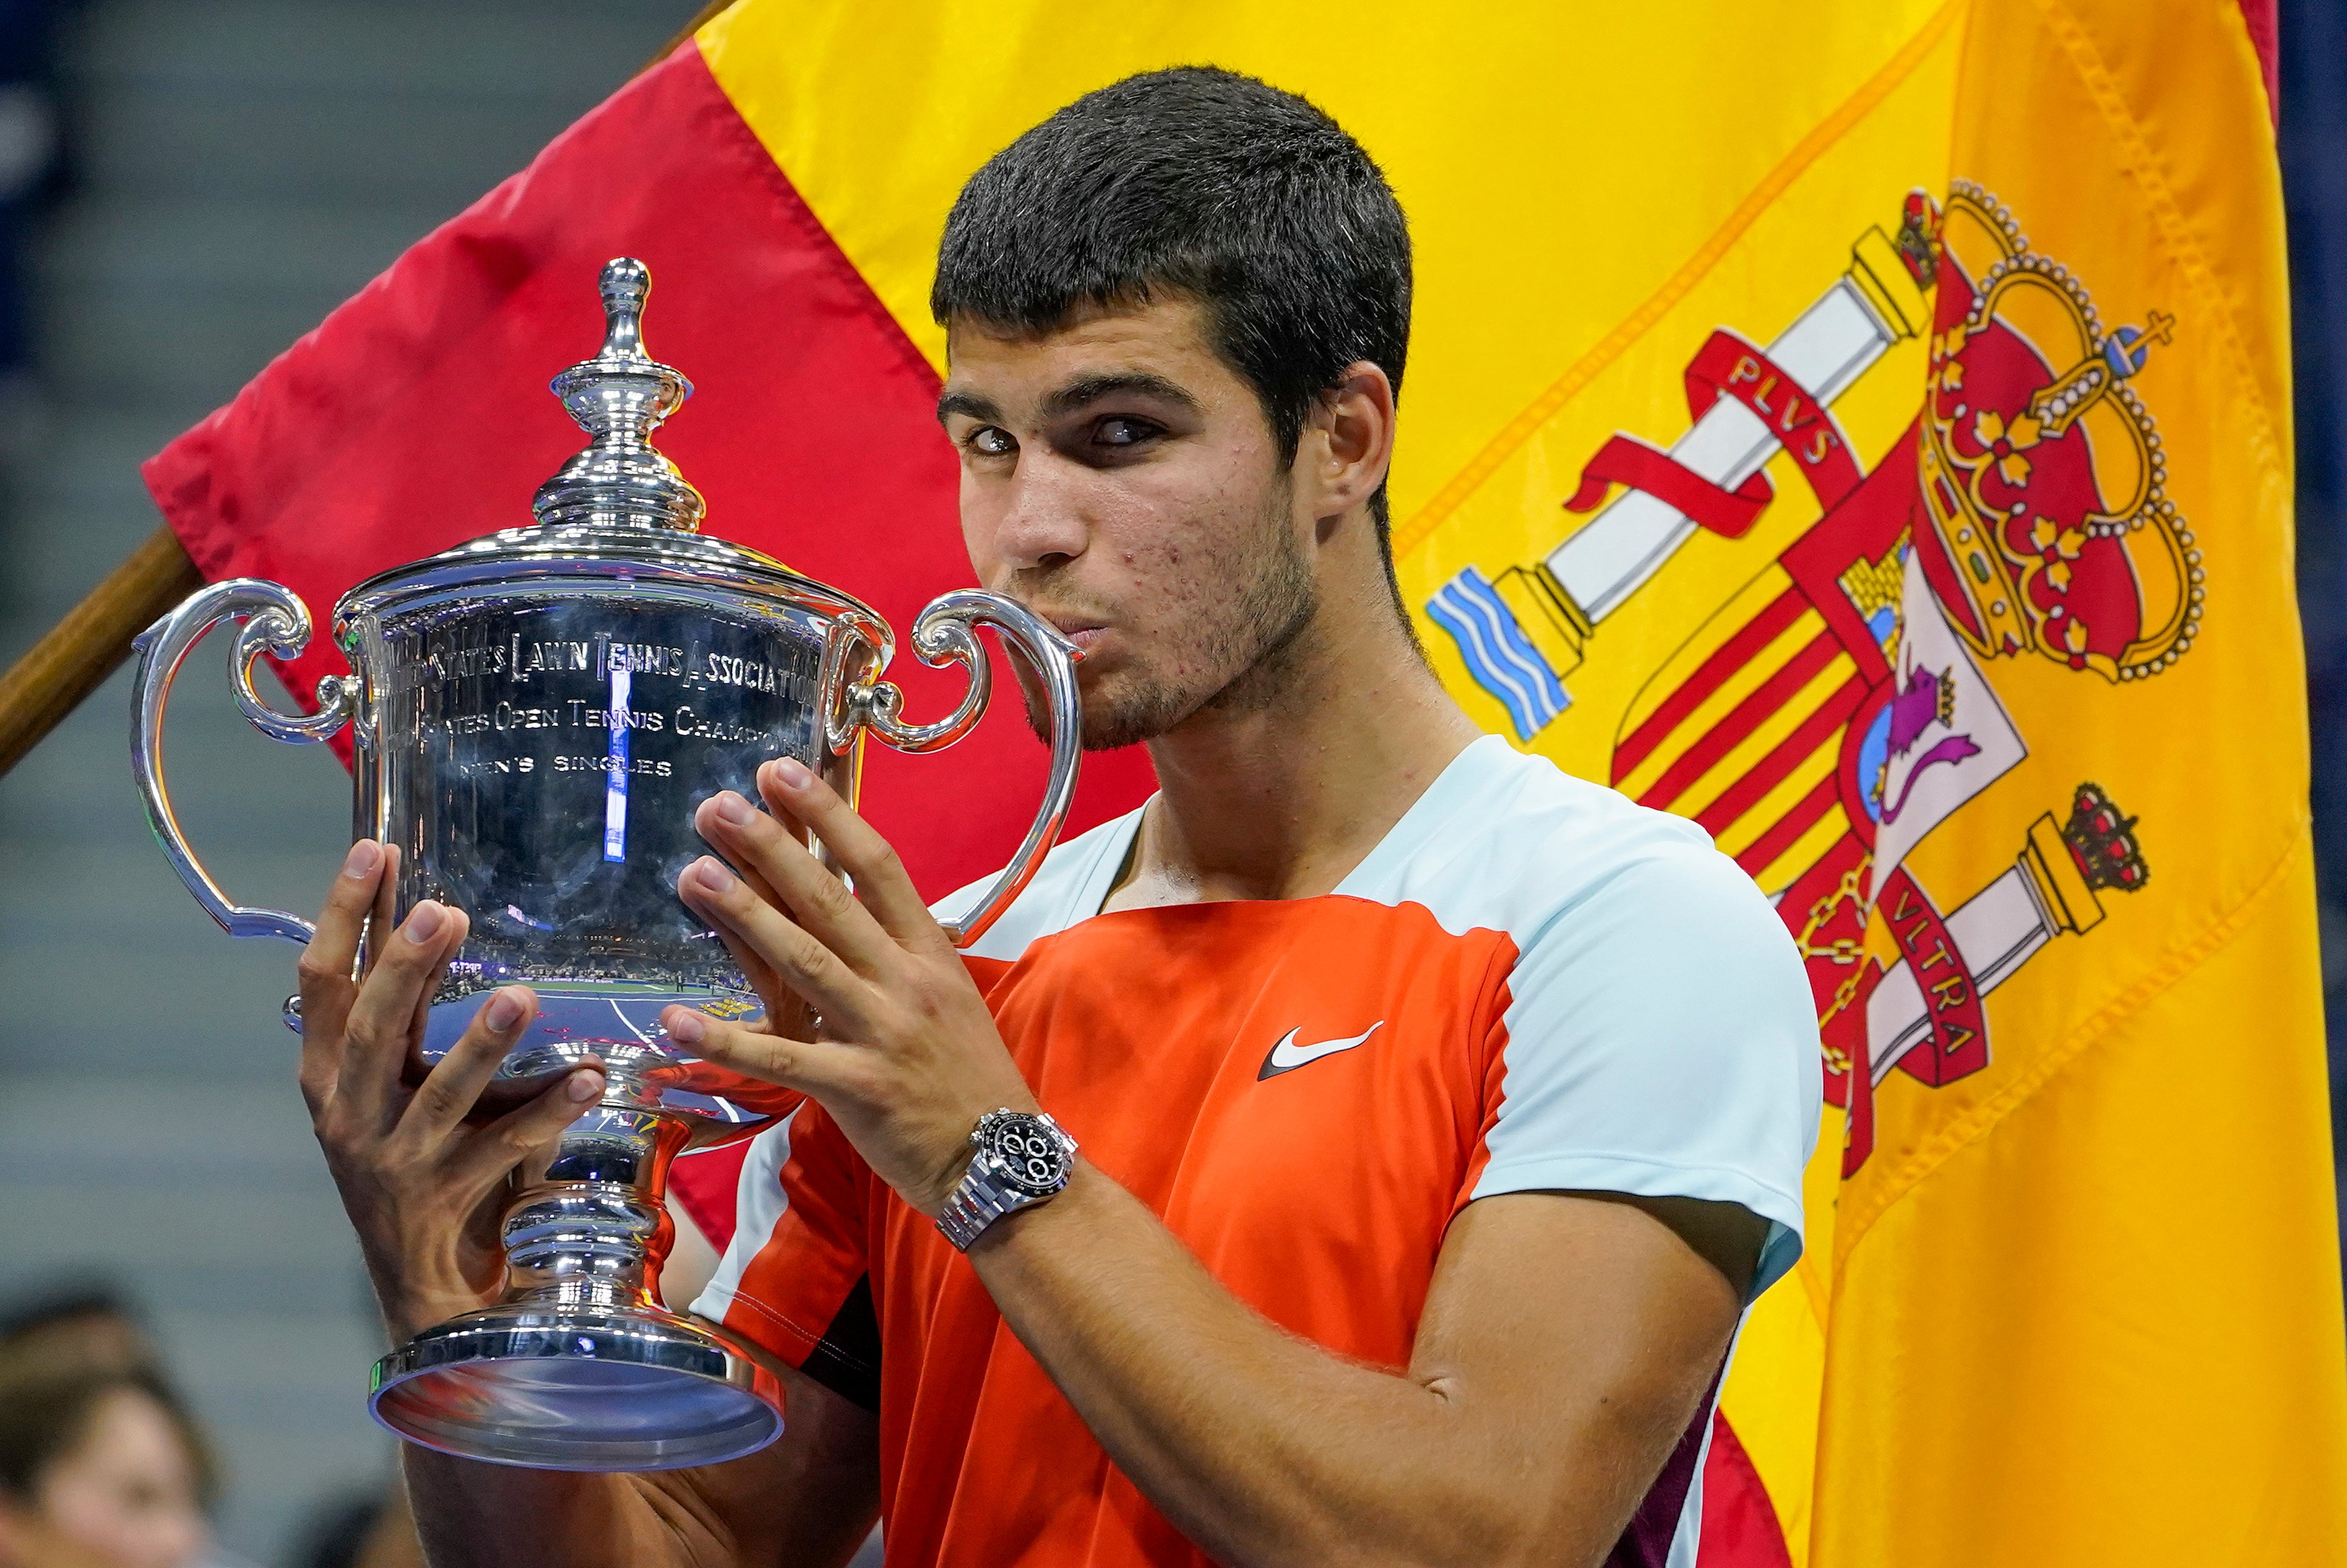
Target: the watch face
(1027, 1155)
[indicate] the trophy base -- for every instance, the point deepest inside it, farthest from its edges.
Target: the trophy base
(577, 1389)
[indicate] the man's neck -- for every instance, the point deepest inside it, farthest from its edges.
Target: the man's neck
(1283, 798)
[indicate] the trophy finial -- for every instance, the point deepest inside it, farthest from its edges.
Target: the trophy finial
(619, 397)
(624, 285)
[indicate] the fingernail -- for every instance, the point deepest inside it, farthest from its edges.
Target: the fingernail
(792, 772)
(686, 1027)
(504, 1011)
(712, 876)
(584, 1085)
(423, 922)
(734, 809)
(364, 857)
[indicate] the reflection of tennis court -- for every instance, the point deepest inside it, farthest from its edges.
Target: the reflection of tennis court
(597, 1013)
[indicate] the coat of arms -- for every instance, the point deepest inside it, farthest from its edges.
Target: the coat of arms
(1840, 707)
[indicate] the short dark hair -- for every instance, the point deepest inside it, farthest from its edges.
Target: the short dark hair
(1205, 182)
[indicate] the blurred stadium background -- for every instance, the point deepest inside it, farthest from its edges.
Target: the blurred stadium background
(224, 173)
(186, 186)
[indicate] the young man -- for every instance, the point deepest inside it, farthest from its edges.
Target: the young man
(1434, 1115)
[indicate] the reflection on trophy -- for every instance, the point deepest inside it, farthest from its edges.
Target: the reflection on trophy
(535, 716)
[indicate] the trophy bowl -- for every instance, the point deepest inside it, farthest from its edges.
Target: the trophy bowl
(534, 716)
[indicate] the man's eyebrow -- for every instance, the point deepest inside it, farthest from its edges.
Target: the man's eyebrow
(1090, 388)
(968, 402)
(1074, 395)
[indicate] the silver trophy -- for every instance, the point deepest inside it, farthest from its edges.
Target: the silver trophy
(535, 716)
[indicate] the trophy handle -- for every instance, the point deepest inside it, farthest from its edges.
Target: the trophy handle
(947, 633)
(276, 621)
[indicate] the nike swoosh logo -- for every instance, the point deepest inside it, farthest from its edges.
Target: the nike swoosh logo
(1287, 1056)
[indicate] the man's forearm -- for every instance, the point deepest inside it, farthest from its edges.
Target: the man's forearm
(473, 1515)
(806, 1501)
(1264, 1449)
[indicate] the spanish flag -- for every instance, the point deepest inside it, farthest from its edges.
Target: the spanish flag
(1865, 431)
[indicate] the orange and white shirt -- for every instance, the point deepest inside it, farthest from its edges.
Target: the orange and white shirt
(1530, 984)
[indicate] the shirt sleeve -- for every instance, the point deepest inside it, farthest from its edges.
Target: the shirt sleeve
(795, 1280)
(1658, 1038)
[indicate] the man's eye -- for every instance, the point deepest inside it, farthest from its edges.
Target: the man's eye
(992, 440)
(1124, 432)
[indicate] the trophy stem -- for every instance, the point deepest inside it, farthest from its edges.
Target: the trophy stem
(594, 1230)
(586, 1244)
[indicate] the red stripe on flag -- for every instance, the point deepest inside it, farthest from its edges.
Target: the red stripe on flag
(2265, 38)
(1740, 1522)
(1729, 657)
(1742, 720)
(417, 416)
(1762, 852)
(1783, 758)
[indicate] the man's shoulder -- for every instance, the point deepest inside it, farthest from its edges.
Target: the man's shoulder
(1513, 841)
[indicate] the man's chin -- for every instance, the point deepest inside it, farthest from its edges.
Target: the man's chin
(1103, 732)
(1112, 736)
(1112, 720)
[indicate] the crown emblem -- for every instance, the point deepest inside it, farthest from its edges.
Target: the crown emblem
(2041, 466)
(2101, 841)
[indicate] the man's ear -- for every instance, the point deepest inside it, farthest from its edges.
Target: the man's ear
(1348, 441)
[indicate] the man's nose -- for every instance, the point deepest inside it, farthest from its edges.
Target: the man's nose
(1043, 524)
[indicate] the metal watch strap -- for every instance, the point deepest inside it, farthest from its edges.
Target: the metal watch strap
(981, 1197)
(968, 1212)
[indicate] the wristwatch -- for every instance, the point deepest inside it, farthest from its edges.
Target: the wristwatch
(1019, 1160)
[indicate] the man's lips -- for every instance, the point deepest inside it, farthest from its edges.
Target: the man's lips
(1081, 631)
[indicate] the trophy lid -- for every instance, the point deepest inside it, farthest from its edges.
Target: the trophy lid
(617, 511)
(619, 397)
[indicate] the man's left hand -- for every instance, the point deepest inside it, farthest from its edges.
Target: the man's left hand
(906, 1057)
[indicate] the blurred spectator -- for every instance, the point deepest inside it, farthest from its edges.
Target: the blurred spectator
(81, 1324)
(95, 1439)
(100, 1466)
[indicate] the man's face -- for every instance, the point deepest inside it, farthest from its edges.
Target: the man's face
(1120, 479)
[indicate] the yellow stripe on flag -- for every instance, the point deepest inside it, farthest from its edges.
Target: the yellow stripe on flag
(1820, 139)
(1524, 151)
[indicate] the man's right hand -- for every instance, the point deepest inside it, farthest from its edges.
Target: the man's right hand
(425, 1189)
